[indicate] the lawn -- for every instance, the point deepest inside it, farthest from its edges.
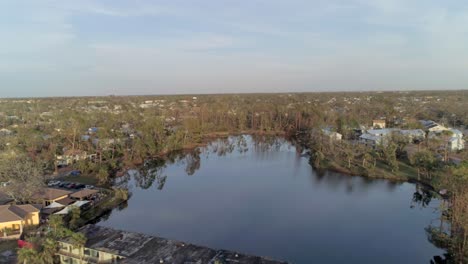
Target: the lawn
(6, 245)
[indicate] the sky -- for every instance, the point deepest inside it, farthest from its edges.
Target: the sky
(104, 47)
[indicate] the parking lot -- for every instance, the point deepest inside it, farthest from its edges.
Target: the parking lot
(67, 185)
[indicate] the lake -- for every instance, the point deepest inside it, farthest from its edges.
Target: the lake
(260, 196)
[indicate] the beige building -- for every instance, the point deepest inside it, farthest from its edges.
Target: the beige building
(70, 254)
(107, 245)
(14, 218)
(50, 195)
(378, 123)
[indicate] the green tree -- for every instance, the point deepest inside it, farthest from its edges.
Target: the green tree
(27, 255)
(75, 214)
(25, 177)
(78, 241)
(389, 154)
(424, 161)
(102, 175)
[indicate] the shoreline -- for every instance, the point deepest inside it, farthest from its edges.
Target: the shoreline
(209, 137)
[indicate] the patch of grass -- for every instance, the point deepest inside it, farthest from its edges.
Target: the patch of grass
(407, 171)
(8, 245)
(110, 202)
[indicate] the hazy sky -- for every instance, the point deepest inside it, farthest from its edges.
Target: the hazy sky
(79, 47)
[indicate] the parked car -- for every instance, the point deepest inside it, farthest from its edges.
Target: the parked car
(80, 186)
(53, 183)
(74, 173)
(89, 187)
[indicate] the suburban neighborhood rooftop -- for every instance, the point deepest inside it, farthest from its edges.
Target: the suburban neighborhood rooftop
(141, 248)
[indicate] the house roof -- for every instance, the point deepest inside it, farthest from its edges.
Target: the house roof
(10, 213)
(415, 132)
(383, 131)
(79, 203)
(83, 193)
(456, 131)
(50, 194)
(370, 137)
(54, 205)
(65, 201)
(141, 248)
(49, 211)
(5, 198)
(30, 208)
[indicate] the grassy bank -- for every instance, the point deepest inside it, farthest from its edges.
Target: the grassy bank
(381, 170)
(112, 200)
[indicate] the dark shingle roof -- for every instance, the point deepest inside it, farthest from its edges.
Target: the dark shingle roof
(83, 193)
(141, 248)
(50, 194)
(65, 201)
(16, 212)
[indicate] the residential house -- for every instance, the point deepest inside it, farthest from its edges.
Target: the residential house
(432, 126)
(13, 218)
(49, 195)
(79, 204)
(83, 194)
(71, 156)
(384, 132)
(378, 123)
(370, 140)
(456, 142)
(376, 137)
(452, 138)
(334, 136)
(413, 134)
(5, 199)
(5, 132)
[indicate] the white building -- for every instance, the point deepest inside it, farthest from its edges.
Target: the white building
(371, 140)
(376, 137)
(332, 135)
(456, 142)
(413, 134)
(432, 126)
(5, 132)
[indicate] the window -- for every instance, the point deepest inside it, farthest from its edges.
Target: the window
(66, 260)
(63, 247)
(94, 253)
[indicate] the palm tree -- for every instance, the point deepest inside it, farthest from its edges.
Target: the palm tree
(27, 255)
(48, 250)
(42, 252)
(78, 241)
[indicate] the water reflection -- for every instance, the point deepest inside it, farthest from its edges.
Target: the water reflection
(260, 196)
(422, 196)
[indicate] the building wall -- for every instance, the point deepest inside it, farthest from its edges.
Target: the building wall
(32, 219)
(73, 254)
(47, 202)
(378, 124)
(15, 225)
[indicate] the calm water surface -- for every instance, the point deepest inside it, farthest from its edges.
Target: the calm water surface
(264, 198)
